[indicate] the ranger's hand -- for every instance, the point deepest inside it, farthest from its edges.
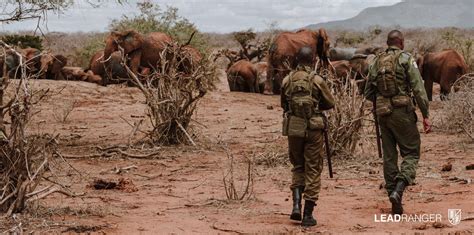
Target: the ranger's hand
(427, 125)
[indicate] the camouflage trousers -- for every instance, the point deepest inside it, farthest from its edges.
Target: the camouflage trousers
(399, 128)
(306, 156)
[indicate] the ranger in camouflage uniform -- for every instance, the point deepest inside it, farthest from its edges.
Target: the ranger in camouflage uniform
(304, 94)
(393, 80)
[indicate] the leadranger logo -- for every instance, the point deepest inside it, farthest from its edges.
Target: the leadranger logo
(454, 216)
(425, 218)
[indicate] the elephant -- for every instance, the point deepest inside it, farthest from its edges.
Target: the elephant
(262, 68)
(369, 50)
(189, 58)
(342, 68)
(246, 76)
(110, 71)
(356, 68)
(78, 74)
(444, 68)
(33, 60)
(141, 50)
(9, 61)
(41, 65)
(336, 53)
(284, 48)
(51, 66)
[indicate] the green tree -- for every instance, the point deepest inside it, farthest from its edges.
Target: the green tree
(23, 41)
(153, 18)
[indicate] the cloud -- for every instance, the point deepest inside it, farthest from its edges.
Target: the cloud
(211, 15)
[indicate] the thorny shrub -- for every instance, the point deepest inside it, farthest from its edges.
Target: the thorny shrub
(457, 113)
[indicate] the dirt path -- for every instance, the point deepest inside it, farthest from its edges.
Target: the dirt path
(182, 191)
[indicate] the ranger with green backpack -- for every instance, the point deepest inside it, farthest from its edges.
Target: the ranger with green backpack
(393, 80)
(304, 95)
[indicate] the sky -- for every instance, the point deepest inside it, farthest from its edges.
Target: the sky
(220, 16)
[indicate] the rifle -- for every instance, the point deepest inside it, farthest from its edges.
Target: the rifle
(377, 128)
(326, 143)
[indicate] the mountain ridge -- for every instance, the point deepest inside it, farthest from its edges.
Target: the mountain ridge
(410, 14)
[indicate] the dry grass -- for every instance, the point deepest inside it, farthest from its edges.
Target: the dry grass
(273, 155)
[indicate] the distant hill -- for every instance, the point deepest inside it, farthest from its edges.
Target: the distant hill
(410, 14)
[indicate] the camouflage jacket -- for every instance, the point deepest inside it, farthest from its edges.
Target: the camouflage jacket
(326, 100)
(406, 71)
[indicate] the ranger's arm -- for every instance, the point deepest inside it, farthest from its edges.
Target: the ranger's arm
(283, 98)
(327, 100)
(370, 85)
(416, 85)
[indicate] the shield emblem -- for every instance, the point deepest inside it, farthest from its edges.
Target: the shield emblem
(454, 216)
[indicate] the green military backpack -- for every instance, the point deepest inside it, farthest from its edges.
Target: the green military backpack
(386, 77)
(300, 92)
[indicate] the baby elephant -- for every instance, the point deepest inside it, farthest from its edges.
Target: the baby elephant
(246, 76)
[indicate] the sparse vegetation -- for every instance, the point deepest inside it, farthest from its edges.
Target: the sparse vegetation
(63, 111)
(24, 157)
(172, 96)
(457, 113)
(347, 38)
(232, 191)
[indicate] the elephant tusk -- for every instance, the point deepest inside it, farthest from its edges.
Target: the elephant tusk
(103, 61)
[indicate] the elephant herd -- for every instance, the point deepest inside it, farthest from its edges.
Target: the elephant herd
(443, 67)
(142, 54)
(44, 65)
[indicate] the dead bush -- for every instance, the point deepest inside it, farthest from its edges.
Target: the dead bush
(346, 119)
(172, 94)
(457, 113)
(24, 157)
(232, 191)
(62, 112)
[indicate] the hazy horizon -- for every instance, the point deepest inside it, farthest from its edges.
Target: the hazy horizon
(211, 16)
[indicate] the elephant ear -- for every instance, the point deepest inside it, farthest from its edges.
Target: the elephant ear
(46, 60)
(59, 62)
(131, 40)
(323, 45)
(419, 62)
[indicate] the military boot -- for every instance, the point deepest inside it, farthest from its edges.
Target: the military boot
(396, 197)
(296, 212)
(308, 219)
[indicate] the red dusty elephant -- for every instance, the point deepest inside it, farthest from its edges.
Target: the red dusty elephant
(189, 58)
(356, 68)
(78, 74)
(444, 68)
(284, 48)
(141, 50)
(114, 72)
(246, 76)
(52, 65)
(41, 65)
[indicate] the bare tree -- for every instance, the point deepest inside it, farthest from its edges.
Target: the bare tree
(19, 10)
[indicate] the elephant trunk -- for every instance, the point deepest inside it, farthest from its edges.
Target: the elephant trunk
(110, 47)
